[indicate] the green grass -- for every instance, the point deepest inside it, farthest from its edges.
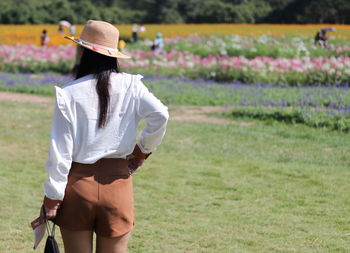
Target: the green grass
(43, 90)
(311, 117)
(209, 187)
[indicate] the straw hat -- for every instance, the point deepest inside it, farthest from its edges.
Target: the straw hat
(100, 37)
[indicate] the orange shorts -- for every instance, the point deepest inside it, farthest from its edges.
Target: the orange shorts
(99, 197)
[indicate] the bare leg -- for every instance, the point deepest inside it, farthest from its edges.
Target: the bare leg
(112, 245)
(77, 241)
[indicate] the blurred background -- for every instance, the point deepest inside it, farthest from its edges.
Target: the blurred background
(175, 11)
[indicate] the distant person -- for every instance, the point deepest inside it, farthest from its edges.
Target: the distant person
(72, 30)
(60, 29)
(121, 44)
(158, 43)
(44, 38)
(321, 39)
(134, 32)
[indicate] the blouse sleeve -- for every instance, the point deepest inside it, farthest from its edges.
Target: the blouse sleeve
(61, 148)
(156, 115)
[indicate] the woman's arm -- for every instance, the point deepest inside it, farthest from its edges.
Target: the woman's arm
(156, 115)
(60, 154)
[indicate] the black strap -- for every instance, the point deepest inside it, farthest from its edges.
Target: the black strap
(50, 229)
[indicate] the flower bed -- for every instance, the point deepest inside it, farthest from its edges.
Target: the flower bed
(30, 58)
(251, 47)
(282, 71)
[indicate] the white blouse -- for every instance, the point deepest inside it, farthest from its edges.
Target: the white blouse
(75, 135)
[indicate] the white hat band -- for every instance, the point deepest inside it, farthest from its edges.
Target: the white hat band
(80, 41)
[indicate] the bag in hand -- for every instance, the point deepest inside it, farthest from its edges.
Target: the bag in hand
(51, 244)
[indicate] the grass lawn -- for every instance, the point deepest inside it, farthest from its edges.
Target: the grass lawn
(209, 188)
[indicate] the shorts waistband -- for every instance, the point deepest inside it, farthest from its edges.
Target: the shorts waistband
(103, 167)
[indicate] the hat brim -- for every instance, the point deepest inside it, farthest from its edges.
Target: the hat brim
(109, 53)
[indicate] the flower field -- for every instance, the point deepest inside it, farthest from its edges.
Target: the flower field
(247, 53)
(24, 34)
(268, 72)
(296, 71)
(250, 47)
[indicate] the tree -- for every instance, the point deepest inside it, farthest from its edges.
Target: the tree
(87, 12)
(251, 12)
(175, 11)
(19, 14)
(209, 11)
(325, 11)
(58, 10)
(312, 11)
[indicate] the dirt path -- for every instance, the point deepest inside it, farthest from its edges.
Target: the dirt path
(19, 97)
(177, 113)
(202, 114)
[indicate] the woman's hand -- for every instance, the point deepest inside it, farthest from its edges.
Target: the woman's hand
(50, 208)
(50, 213)
(134, 163)
(136, 159)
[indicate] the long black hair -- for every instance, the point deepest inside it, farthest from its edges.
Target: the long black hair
(101, 67)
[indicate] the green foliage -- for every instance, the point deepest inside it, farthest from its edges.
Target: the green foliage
(77, 12)
(175, 11)
(210, 12)
(317, 119)
(62, 67)
(42, 90)
(85, 9)
(251, 12)
(313, 11)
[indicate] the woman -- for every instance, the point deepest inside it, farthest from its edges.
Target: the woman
(93, 149)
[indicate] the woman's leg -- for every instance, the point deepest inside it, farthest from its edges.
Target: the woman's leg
(112, 245)
(77, 241)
